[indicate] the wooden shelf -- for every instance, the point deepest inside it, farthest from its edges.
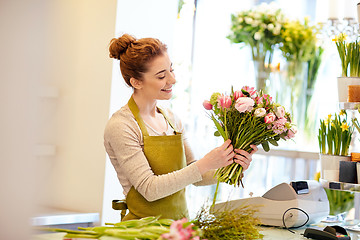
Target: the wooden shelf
(349, 105)
(341, 186)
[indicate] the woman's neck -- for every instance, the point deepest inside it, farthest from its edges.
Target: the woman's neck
(147, 107)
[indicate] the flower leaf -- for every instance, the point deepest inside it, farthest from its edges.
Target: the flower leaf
(219, 128)
(273, 142)
(265, 146)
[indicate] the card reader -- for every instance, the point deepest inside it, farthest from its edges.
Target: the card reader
(328, 233)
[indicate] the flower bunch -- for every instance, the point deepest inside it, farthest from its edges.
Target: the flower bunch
(182, 230)
(262, 23)
(349, 54)
(299, 40)
(247, 117)
(335, 134)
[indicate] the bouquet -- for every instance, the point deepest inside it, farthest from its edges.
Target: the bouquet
(349, 54)
(247, 117)
(335, 135)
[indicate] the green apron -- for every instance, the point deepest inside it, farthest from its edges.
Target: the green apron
(165, 154)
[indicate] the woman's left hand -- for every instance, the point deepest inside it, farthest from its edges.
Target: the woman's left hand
(243, 157)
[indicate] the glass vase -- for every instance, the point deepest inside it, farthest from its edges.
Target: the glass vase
(294, 87)
(262, 74)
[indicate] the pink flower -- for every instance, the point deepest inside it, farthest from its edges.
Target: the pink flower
(280, 112)
(270, 117)
(224, 101)
(179, 232)
(279, 126)
(250, 90)
(244, 104)
(281, 121)
(238, 94)
(207, 105)
(291, 133)
(266, 97)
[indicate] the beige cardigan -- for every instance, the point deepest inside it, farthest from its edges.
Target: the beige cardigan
(123, 142)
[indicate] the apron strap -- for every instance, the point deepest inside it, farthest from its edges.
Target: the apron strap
(168, 120)
(135, 110)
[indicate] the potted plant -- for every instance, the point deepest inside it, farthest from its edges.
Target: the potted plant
(349, 53)
(334, 137)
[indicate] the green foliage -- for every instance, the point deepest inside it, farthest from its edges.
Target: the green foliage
(232, 224)
(145, 228)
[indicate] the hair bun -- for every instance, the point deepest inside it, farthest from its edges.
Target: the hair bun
(119, 45)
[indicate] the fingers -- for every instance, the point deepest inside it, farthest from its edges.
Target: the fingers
(255, 149)
(245, 163)
(243, 158)
(225, 144)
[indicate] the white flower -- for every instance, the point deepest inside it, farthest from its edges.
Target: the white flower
(280, 112)
(255, 23)
(270, 26)
(260, 112)
(257, 36)
(263, 26)
(248, 20)
(241, 19)
(277, 30)
(257, 15)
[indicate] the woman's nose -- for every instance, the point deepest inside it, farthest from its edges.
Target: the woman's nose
(172, 79)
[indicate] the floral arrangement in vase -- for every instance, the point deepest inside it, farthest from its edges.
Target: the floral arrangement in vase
(247, 117)
(260, 28)
(300, 47)
(349, 53)
(335, 135)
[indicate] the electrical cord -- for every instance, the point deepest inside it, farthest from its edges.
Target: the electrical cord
(295, 208)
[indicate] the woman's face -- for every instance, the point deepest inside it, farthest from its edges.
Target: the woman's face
(157, 82)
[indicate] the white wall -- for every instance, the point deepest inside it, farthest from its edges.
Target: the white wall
(78, 69)
(140, 18)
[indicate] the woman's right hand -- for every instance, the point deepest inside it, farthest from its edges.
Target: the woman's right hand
(217, 158)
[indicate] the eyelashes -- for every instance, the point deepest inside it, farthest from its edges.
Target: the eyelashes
(171, 70)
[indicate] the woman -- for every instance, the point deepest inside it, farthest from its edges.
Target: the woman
(145, 144)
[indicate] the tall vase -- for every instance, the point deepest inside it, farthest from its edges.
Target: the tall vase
(296, 84)
(262, 74)
(262, 58)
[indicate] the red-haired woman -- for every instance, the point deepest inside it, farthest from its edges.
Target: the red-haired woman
(146, 144)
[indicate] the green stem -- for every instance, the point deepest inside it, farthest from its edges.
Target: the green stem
(215, 195)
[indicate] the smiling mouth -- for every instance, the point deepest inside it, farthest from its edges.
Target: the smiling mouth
(167, 90)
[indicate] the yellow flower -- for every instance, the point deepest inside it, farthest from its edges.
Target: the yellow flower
(332, 124)
(317, 176)
(326, 121)
(342, 112)
(344, 127)
(329, 116)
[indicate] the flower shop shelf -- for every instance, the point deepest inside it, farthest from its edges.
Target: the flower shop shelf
(349, 105)
(342, 186)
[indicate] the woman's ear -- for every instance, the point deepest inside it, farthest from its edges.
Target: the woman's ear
(137, 84)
